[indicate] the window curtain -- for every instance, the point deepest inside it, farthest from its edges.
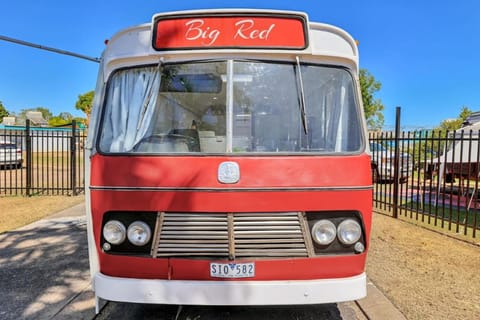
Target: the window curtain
(333, 121)
(131, 101)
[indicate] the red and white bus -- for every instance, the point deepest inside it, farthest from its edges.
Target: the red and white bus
(227, 162)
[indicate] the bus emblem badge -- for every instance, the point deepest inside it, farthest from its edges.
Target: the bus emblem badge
(228, 172)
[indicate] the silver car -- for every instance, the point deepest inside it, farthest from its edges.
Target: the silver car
(10, 155)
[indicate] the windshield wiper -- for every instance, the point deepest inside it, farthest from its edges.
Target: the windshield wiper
(302, 97)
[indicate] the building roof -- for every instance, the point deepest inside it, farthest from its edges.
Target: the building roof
(36, 118)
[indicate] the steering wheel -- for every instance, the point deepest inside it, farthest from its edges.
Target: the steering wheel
(191, 142)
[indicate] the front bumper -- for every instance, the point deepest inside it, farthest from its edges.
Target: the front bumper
(188, 292)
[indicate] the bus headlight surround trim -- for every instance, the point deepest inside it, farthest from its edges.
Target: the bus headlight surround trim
(114, 232)
(324, 232)
(139, 233)
(349, 232)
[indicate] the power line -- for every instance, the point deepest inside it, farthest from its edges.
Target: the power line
(38, 46)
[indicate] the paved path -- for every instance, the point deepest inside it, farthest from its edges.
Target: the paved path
(44, 275)
(44, 267)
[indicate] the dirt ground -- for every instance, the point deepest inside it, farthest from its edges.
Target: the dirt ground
(425, 274)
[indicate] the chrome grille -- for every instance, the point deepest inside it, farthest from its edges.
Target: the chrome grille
(254, 235)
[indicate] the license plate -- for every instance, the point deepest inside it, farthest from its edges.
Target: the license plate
(232, 270)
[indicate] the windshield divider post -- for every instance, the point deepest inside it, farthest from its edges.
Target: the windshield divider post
(229, 106)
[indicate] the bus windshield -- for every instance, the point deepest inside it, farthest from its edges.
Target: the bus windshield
(231, 106)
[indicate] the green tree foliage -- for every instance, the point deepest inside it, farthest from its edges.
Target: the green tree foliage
(3, 112)
(81, 122)
(64, 118)
(373, 107)
(84, 103)
(432, 143)
(455, 124)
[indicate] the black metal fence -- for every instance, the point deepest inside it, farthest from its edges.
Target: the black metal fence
(41, 161)
(429, 176)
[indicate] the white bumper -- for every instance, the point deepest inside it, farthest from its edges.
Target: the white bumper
(181, 292)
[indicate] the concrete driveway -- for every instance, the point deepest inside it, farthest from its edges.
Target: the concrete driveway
(44, 267)
(44, 275)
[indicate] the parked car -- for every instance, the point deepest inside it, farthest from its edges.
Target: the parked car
(10, 155)
(383, 164)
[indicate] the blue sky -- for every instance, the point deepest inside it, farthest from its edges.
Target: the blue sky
(425, 53)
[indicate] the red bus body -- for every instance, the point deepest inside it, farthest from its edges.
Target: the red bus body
(188, 191)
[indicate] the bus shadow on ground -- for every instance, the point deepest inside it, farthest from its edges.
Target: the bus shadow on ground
(43, 267)
(116, 310)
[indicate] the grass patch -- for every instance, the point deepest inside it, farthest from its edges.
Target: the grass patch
(16, 212)
(428, 222)
(450, 215)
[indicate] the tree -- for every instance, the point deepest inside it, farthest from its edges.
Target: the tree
(84, 103)
(455, 124)
(373, 108)
(3, 112)
(62, 119)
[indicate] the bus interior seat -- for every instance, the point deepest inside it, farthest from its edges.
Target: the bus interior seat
(211, 143)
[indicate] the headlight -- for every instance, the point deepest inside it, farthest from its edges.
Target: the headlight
(349, 231)
(323, 232)
(139, 233)
(114, 232)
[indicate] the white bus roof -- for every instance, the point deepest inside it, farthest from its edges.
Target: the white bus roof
(133, 46)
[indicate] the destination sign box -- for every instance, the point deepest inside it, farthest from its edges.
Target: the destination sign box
(249, 31)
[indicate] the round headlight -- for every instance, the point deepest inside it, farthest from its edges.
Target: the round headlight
(349, 231)
(324, 232)
(139, 233)
(114, 232)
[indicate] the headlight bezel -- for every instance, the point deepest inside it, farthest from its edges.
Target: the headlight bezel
(325, 224)
(127, 218)
(139, 225)
(120, 228)
(349, 223)
(336, 217)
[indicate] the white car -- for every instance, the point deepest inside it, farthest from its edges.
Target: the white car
(10, 155)
(383, 164)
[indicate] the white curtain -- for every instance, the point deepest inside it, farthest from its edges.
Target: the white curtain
(131, 100)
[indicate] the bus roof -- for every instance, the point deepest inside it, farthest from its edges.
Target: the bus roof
(136, 45)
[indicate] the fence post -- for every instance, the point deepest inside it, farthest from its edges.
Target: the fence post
(396, 178)
(73, 158)
(28, 149)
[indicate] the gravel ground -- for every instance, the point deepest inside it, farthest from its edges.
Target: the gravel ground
(425, 274)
